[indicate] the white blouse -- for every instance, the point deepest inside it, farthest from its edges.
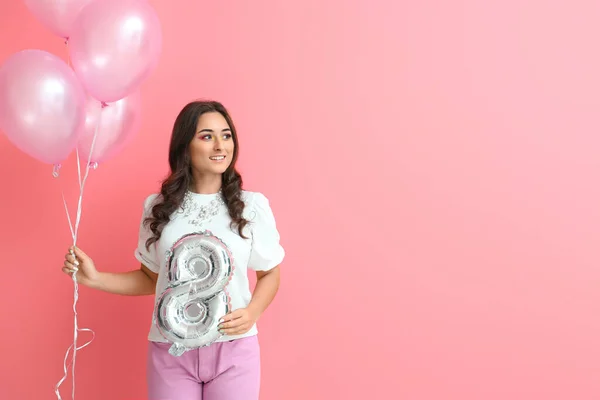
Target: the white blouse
(261, 251)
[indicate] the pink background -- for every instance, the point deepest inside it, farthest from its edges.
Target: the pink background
(434, 169)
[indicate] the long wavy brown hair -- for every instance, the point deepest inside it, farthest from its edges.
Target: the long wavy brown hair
(178, 182)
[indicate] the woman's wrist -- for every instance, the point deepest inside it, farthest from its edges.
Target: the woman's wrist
(95, 282)
(255, 310)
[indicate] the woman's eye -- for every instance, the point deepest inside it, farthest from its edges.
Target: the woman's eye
(227, 136)
(206, 137)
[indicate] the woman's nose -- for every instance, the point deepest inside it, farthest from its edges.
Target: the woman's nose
(217, 145)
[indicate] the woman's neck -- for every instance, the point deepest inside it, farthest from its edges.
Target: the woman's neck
(207, 184)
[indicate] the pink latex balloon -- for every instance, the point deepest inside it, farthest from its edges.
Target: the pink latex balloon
(114, 46)
(57, 15)
(119, 122)
(41, 105)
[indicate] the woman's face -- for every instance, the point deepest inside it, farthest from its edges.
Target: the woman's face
(211, 150)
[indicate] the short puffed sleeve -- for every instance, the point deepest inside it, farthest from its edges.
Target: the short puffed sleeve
(266, 252)
(147, 256)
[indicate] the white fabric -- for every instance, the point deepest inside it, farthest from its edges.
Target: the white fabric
(262, 250)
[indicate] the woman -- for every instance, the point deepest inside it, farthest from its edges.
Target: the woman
(203, 192)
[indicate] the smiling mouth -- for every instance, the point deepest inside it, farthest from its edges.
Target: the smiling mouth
(217, 158)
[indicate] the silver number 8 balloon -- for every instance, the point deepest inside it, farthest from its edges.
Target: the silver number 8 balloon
(187, 314)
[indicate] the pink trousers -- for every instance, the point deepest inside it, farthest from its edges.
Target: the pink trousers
(221, 371)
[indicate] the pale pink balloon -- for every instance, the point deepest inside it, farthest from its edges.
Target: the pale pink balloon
(42, 105)
(57, 15)
(119, 122)
(114, 47)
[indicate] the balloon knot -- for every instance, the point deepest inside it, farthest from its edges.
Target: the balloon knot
(55, 170)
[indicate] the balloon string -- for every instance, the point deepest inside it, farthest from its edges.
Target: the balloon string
(68, 53)
(74, 234)
(78, 166)
(76, 148)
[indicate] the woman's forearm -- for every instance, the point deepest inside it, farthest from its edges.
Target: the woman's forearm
(266, 288)
(131, 283)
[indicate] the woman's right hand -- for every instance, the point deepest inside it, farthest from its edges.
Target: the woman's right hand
(77, 260)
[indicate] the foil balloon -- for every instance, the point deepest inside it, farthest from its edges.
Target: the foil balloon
(188, 312)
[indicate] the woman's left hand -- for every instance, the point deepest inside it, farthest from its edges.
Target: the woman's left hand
(238, 322)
